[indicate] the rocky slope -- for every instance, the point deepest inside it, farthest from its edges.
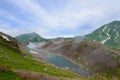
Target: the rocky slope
(91, 55)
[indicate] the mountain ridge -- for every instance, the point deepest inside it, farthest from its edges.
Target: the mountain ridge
(30, 37)
(108, 34)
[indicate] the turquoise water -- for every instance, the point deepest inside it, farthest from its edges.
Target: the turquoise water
(64, 63)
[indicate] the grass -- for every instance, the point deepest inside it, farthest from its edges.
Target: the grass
(12, 58)
(15, 61)
(9, 75)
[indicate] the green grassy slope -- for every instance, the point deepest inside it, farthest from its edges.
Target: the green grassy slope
(11, 57)
(9, 75)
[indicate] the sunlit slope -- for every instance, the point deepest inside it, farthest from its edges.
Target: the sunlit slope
(11, 57)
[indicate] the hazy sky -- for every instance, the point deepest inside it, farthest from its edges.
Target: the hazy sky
(51, 18)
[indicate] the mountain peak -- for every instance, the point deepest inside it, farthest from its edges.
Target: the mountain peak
(115, 22)
(33, 33)
(108, 34)
(30, 37)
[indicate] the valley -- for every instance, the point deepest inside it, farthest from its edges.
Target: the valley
(77, 58)
(59, 40)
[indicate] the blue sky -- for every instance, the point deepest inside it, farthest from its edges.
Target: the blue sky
(56, 18)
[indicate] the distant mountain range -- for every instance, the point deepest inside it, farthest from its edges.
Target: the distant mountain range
(108, 34)
(30, 37)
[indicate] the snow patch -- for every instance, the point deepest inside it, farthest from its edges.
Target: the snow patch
(108, 37)
(5, 37)
(115, 37)
(33, 52)
(108, 30)
(114, 30)
(104, 41)
(117, 34)
(104, 28)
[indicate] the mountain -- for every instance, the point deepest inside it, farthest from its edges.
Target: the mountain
(108, 34)
(86, 55)
(15, 64)
(92, 56)
(30, 37)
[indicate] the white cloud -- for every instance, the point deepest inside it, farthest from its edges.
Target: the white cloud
(75, 14)
(36, 10)
(7, 28)
(13, 18)
(71, 16)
